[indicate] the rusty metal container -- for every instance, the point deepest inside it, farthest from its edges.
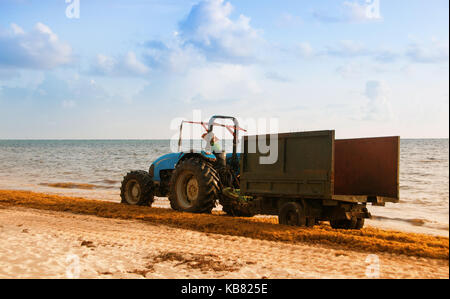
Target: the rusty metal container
(313, 165)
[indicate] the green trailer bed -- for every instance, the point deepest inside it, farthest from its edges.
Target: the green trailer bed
(313, 165)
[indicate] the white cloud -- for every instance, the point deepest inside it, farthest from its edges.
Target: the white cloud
(218, 82)
(346, 48)
(207, 34)
(210, 28)
(350, 49)
(127, 65)
(180, 60)
(350, 69)
(386, 55)
(174, 58)
(16, 29)
(351, 12)
(437, 52)
(105, 64)
(37, 49)
(361, 12)
(132, 64)
(379, 106)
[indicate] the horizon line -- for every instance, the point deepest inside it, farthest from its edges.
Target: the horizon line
(160, 139)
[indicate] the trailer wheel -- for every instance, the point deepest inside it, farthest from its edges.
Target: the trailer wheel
(359, 223)
(311, 221)
(354, 223)
(193, 187)
(293, 214)
(137, 189)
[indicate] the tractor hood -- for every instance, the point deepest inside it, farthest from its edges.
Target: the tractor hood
(167, 161)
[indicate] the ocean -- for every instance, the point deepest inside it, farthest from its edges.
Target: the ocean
(99, 166)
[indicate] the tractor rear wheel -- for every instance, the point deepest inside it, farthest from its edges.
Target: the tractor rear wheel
(137, 189)
(194, 186)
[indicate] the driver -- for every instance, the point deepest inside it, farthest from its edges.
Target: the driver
(212, 142)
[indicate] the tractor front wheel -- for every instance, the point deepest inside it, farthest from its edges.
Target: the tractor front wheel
(137, 189)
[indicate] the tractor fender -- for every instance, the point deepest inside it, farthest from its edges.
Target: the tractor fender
(171, 161)
(208, 156)
(166, 162)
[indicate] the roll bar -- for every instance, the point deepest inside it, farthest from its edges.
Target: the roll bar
(234, 130)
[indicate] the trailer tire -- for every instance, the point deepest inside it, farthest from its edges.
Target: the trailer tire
(193, 186)
(359, 223)
(311, 221)
(292, 213)
(137, 189)
(353, 223)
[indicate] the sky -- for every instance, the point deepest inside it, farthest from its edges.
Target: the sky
(131, 69)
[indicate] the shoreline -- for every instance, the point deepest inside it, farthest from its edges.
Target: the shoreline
(111, 194)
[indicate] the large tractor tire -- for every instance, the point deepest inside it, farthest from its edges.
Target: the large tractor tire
(137, 189)
(194, 186)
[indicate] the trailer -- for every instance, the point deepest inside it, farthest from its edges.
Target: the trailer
(318, 178)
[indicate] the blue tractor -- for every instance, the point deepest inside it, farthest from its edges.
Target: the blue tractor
(193, 181)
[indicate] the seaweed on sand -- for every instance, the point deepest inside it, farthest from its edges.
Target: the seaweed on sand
(366, 240)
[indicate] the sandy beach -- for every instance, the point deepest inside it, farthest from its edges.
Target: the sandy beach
(46, 243)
